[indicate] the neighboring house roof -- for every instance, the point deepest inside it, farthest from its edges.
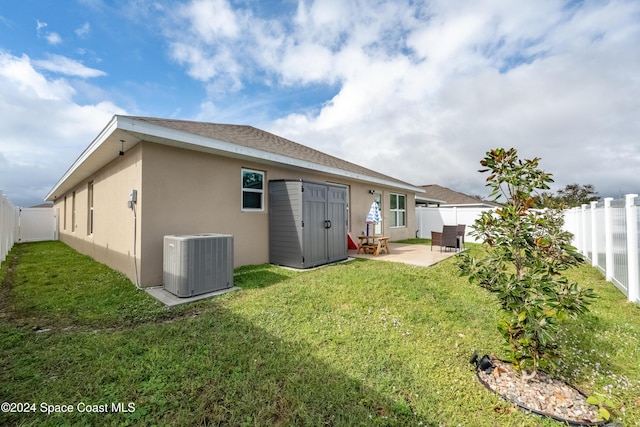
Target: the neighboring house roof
(447, 197)
(237, 141)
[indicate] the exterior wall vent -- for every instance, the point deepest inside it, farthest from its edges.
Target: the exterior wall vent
(196, 264)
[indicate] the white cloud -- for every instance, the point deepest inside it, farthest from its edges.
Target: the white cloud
(63, 65)
(84, 30)
(44, 128)
(40, 25)
(51, 37)
(210, 19)
(306, 63)
(202, 37)
(567, 92)
(23, 77)
(424, 89)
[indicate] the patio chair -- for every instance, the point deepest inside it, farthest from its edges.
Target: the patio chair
(447, 239)
(461, 228)
(436, 239)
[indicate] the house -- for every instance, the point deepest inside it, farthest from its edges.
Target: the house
(143, 178)
(439, 196)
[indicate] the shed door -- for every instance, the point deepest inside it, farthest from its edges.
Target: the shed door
(337, 217)
(314, 231)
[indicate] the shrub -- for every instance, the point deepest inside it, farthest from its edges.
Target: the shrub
(527, 251)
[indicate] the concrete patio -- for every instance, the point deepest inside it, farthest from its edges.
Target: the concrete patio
(418, 255)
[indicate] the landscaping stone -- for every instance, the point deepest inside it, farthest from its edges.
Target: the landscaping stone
(542, 394)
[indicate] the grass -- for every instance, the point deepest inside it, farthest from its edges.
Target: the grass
(359, 343)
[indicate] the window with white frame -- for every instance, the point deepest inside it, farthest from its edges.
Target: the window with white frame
(73, 211)
(252, 190)
(90, 208)
(398, 210)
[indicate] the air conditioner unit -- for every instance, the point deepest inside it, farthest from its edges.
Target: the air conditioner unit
(196, 264)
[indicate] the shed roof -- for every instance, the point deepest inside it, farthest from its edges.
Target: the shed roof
(239, 141)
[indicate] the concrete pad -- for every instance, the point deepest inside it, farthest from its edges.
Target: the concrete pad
(170, 299)
(419, 255)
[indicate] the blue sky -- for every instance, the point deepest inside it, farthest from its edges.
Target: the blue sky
(418, 90)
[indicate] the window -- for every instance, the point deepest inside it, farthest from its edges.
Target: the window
(73, 211)
(64, 216)
(90, 208)
(398, 210)
(252, 190)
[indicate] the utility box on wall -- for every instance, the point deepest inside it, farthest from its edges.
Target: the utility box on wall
(196, 264)
(307, 223)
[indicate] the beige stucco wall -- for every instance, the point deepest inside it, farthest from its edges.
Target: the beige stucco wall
(183, 192)
(112, 239)
(186, 192)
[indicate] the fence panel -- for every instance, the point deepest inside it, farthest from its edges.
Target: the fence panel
(8, 226)
(633, 248)
(38, 224)
(600, 238)
(608, 233)
(25, 225)
(620, 266)
(588, 237)
(432, 219)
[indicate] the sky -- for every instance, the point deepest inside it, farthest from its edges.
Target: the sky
(418, 90)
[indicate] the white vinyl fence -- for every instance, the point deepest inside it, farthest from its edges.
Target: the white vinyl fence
(432, 219)
(607, 233)
(19, 225)
(37, 224)
(8, 226)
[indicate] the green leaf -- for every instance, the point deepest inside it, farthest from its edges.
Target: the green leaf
(604, 413)
(522, 316)
(592, 400)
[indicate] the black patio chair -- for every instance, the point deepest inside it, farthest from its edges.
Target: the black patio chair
(461, 228)
(447, 239)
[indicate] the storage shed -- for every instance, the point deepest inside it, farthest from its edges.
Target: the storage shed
(307, 223)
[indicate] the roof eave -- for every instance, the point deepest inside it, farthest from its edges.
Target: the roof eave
(178, 138)
(95, 144)
(141, 130)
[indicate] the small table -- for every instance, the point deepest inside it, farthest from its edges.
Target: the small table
(373, 244)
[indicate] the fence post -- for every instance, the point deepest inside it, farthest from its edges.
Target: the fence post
(3, 229)
(594, 235)
(583, 228)
(608, 239)
(571, 225)
(632, 248)
(7, 225)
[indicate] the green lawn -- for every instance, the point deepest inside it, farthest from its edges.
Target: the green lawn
(358, 343)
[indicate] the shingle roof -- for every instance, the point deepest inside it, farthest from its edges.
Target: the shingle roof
(251, 137)
(238, 141)
(451, 197)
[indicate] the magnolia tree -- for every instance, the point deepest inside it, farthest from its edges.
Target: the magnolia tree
(527, 251)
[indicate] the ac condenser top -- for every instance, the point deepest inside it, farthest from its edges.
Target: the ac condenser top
(196, 264)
